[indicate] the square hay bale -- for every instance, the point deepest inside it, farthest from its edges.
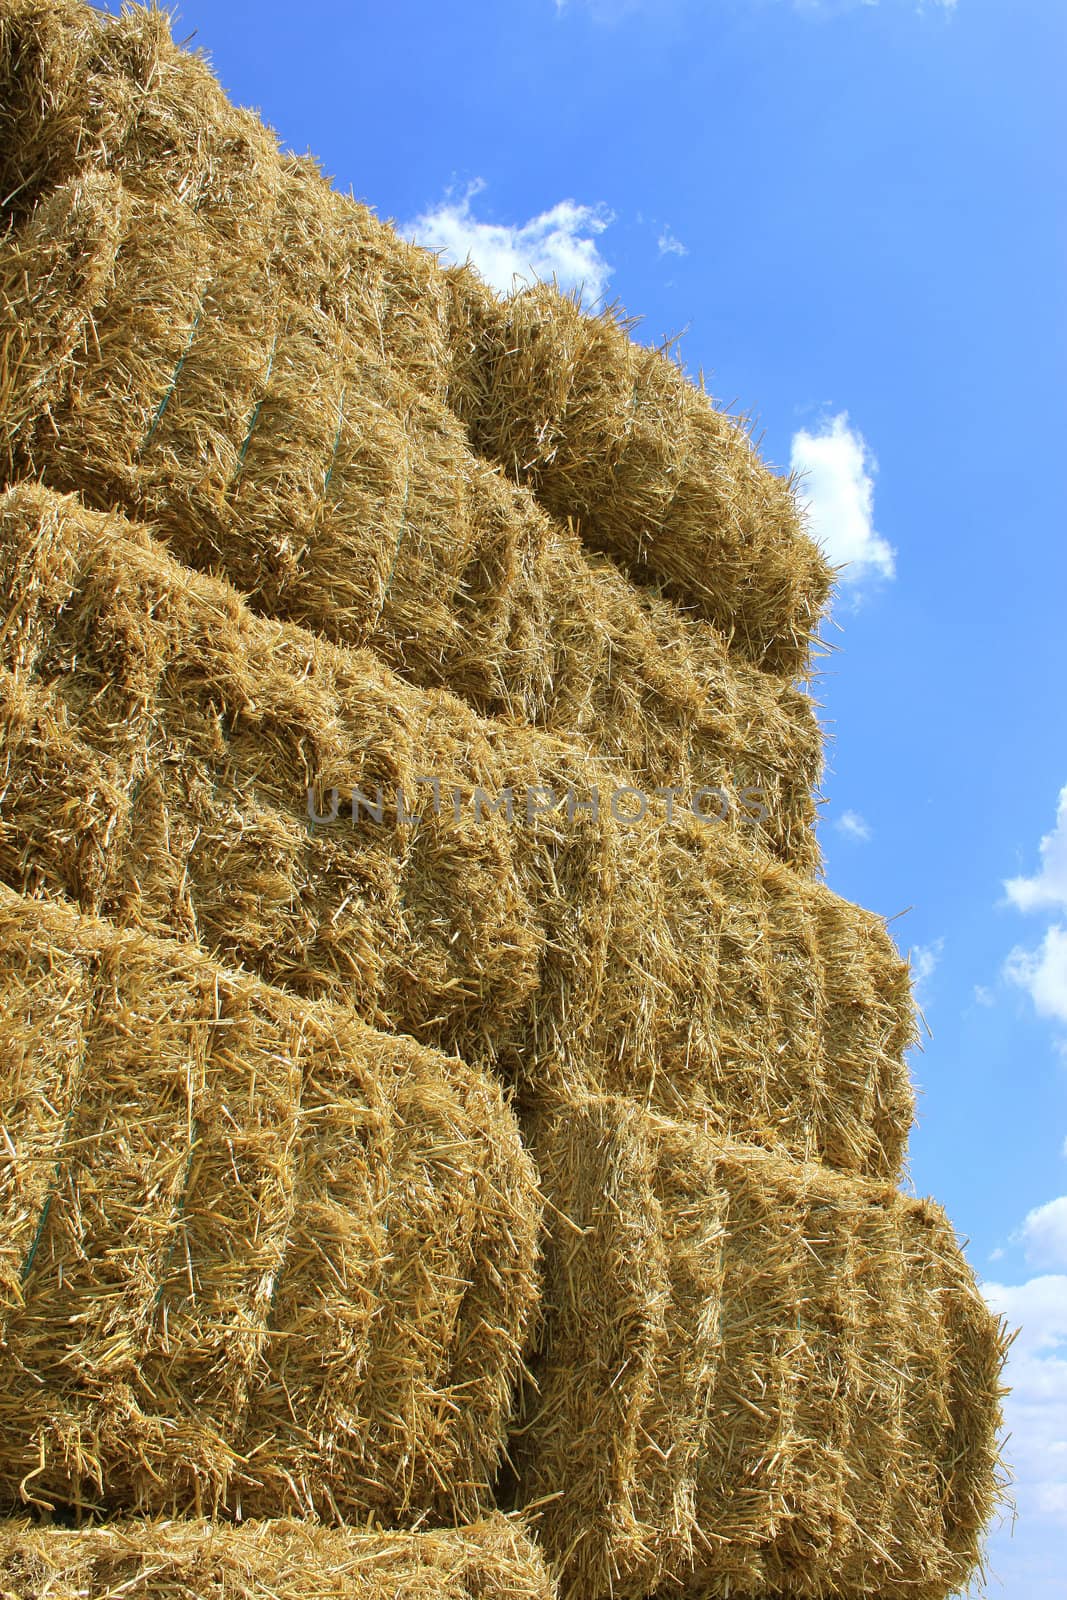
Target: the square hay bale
(198, 391)
(754, 1376)
(144, 1560)
(255, 1258)
(609, 432)
(80, 88)
(204, 727)
(612, 434)
(157, 741)
(389, 295)
(53, 272)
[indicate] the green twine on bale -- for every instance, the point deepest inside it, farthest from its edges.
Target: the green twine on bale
(336, 443)
(42, 1221)
(157, 419)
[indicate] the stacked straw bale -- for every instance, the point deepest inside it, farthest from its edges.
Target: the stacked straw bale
(254, 1257)
(264, 441)
(757, 1376)
(609, 432)
(289, 513)
(491, 1560)
(80, 90)
(158, 741)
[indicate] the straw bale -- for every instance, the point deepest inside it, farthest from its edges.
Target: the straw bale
(611, 433)
(754, 1376)
(388, 294)
(608, 431)
(54, 271)
(262, 442)
(81, 88)
(656, 694)
(255, 1257)
(266, 444)
(157, 744)
(154, 1560)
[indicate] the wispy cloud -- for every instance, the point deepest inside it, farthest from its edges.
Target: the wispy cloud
(669, 245)
(1042, 970)
(1048, 887)
(1044, 1235)
(559, 243)
(1043, 973)
(853, 826)
(924, 960)
(1036, 1409)
(837, 471)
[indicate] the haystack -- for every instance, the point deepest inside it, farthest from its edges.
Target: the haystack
(267, 443)
(611, 434)
(342, 601)
(254, 1256)
(491, 1560)
(158, 743)
(756, 1376)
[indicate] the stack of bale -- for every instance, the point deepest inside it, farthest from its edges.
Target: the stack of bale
(441, 1097)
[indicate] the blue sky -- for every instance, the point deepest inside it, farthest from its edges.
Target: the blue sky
(855, 212)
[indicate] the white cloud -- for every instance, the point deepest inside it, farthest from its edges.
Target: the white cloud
(1049, 886)
(1043, 972)
(924, 960)
(1036, 1409)
(560, 243)
(855, 826)
(984, 996)
(669, 245)
(1044, 1235)
(838, 485)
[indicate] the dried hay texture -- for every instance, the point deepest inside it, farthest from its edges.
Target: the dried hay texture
(157, 744)
(254, 1257)
(262, 440)
(756, 1376)
(608, 432)
(81, 90)
(197, 1560)
(612, 433)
